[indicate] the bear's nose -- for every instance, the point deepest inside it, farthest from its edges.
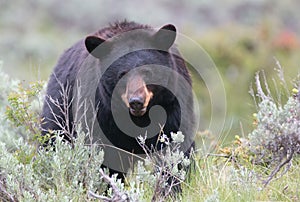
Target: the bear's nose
(136, 103)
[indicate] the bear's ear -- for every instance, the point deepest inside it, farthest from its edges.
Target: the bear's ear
(91, 44)
(164, 38)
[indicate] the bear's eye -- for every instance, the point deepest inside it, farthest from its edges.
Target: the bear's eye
(121, 74)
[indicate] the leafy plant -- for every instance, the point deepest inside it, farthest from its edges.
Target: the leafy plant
(8, 132)
(276, 138)
(59, 173)
(23, 109)
(169, 166)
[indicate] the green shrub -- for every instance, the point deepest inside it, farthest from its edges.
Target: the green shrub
(30, 173)
(59, 173)
(23, 109)
(276, 138)
(8, 132)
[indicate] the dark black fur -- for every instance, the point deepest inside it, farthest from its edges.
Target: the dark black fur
(68, 66)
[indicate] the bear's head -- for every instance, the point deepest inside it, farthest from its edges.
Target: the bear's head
(131, 71)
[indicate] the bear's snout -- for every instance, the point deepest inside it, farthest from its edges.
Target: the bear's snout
(136, 105)
(137, 95)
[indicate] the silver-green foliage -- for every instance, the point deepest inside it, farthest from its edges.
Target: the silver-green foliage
(7, 132)
(59, 173)
(277, 132)
(278, 129)
(276, 138)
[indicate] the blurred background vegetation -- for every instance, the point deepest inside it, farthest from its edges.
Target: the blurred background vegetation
(241, 37)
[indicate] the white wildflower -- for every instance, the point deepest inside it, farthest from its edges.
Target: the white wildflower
(177, 137)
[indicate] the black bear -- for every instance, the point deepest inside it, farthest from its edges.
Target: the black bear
(136, 78)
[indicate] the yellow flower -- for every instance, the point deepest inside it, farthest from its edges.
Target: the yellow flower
(226, 150)
(295, 91)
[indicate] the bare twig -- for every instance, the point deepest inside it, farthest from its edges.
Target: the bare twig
(118, 194)
(4, 195)
(260, 92)
(280, 74)
(266, 83)
(276, 170)
(93, 195)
